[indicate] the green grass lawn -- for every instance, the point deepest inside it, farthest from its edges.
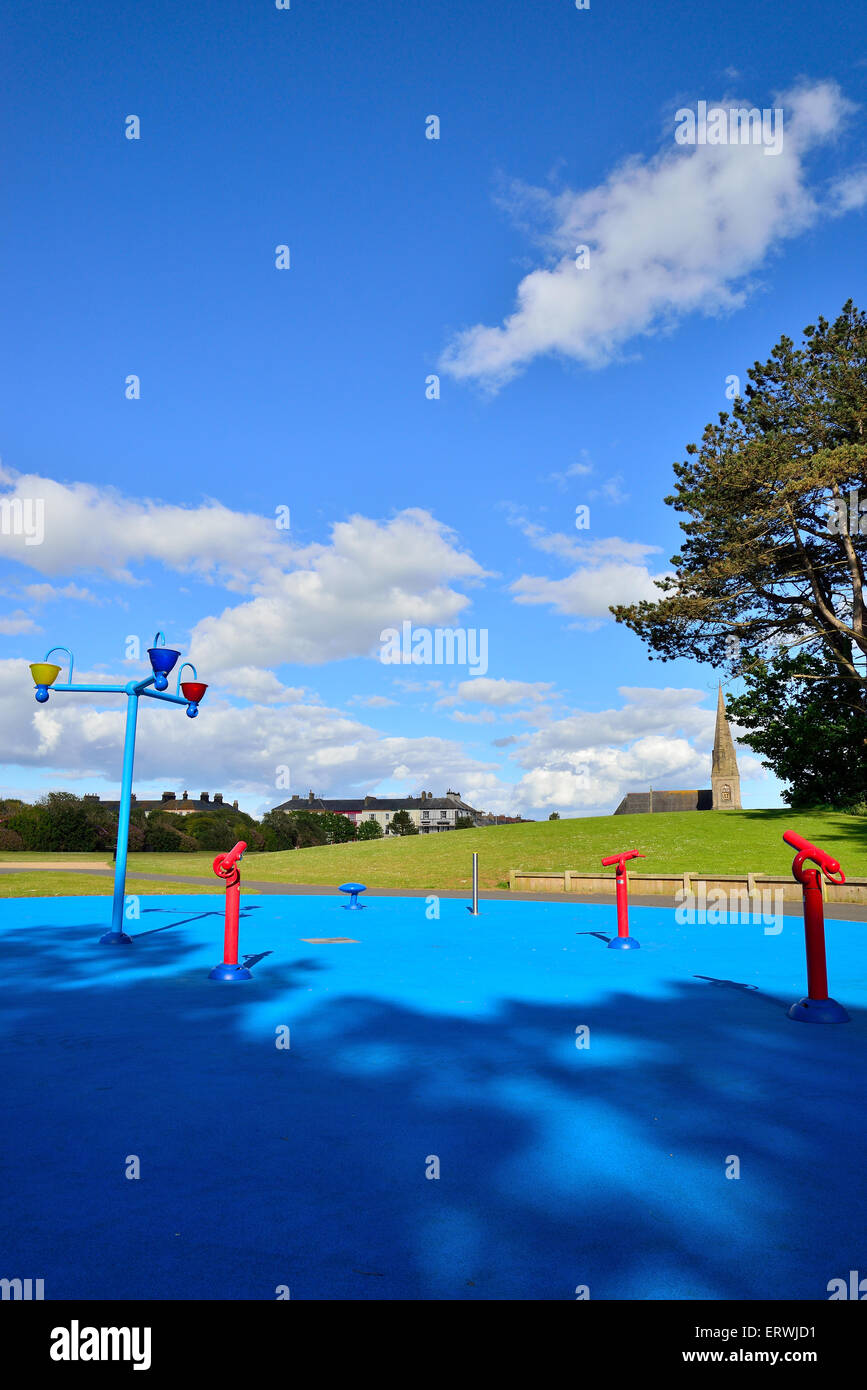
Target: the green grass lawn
(45, 884)
(735, 842)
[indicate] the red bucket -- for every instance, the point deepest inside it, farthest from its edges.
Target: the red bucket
(193, 691)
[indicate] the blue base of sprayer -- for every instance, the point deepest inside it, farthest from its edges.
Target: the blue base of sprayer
(228, 972)
(818, 1011)
(624, 943)
(352, 907)
(115, 938)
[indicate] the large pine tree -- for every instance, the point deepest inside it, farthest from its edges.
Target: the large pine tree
(769, 580)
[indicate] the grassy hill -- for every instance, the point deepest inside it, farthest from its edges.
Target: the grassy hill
(733, 842)
(699, 841)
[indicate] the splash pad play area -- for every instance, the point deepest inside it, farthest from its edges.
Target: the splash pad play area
(427, 1099)
(428, 1104)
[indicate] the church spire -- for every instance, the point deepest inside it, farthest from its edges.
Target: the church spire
(725, 778)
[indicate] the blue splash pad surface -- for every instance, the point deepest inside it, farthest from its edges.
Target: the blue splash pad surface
(452, 1037)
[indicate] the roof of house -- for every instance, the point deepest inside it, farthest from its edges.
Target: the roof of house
(375, 803)
(174, 803)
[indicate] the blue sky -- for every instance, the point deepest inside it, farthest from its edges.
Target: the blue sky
(263, 388)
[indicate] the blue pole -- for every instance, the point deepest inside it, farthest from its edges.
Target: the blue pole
(117, 936)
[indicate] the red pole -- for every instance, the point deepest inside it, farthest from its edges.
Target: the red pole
(226, 867)
(814, 935)
(233, 901)
(816, 1007)
(622, 891)
(621, 888)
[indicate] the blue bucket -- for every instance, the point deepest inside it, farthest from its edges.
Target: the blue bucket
(162, 659)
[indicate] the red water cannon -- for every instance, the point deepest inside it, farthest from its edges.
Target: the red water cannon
(622, 941)
(828, 866)
(620, 859)
(816, 1007)
(226, 867)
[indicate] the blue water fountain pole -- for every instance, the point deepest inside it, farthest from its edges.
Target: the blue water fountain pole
(162, 659)
(117, 936)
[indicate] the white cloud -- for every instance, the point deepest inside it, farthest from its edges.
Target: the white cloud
(258, 685)
(600, 580)
(581, 764)
(586, 762)
(575, 470)
(676, 234)
(371, 701)
(485, 690)
(51, 593)
(98, 529)
(76, 737)
(312, 604)
(415, 687)
(338, 597)
(612, 490)
(849, 192)
(610, 570)
(595, 778)
(14, 624)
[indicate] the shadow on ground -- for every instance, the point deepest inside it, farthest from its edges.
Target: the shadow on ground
(560, 1166)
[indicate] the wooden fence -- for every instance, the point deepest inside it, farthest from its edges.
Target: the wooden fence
(854, 890)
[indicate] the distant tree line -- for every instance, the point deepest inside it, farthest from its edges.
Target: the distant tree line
(62, 821)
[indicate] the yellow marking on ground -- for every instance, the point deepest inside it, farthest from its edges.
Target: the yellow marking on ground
(328, 940)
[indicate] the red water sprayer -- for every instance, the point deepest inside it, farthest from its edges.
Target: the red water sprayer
(226, 867)
(622, 941)
(816, 1007)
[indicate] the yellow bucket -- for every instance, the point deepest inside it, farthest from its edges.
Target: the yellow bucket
(44, 673)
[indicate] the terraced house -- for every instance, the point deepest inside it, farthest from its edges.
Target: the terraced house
(431, 814)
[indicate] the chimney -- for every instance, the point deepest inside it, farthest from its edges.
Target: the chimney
(186, 796)
(218, 798)
(205, 796)
(234, 805)
(168, 796)
(310, 796)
